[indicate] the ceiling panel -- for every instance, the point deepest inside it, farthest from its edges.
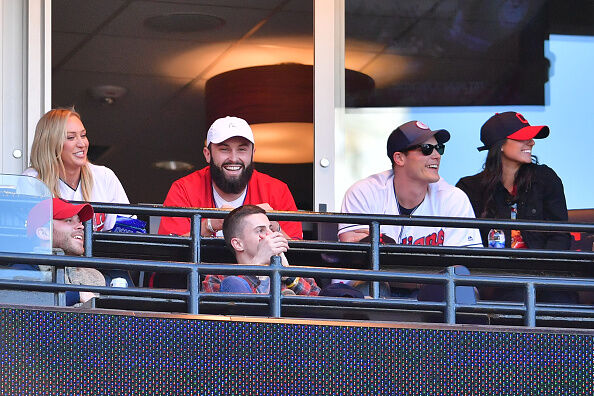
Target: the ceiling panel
(256, 4)
(180, 59)
(237, 21)
(111, 124)
(284, 25)
(65, 43)
(82, 16)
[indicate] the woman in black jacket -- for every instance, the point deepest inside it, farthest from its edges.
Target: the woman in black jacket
(513, 184)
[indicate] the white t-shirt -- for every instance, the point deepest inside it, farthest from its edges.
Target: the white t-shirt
(106, 188)
(220, 202)
(375, 195)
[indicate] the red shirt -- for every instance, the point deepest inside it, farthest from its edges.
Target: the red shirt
(195, 191)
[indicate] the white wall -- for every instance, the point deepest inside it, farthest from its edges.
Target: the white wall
(569, 113)
(25, 75)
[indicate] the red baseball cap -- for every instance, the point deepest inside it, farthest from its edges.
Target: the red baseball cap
(64, 210)
(39, 215)
(509, 125)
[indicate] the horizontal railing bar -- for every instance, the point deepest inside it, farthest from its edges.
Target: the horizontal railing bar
(236, 269)
(234, 297)
(95, 262)
(327, 217)
(449, 250)
(503, 253)
(119, 291)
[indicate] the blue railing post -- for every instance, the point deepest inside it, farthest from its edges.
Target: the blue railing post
(275, 287)
(89, 238)
(60, 297)
(450, 297)
(195, 236)
(374, 231)
(194, 289)
(530, 297)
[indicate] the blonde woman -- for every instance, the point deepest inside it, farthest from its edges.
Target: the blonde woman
(59, 159)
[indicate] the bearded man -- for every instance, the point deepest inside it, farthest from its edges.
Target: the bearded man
(229, 181)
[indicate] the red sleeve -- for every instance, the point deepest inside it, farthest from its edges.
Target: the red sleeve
(176, 196)
(286, 202)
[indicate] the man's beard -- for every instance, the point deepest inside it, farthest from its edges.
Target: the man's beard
(234, 185)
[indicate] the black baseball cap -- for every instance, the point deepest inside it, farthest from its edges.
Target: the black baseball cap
(509, 125)
(412, 133)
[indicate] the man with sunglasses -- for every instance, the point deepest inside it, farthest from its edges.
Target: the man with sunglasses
(411, 187)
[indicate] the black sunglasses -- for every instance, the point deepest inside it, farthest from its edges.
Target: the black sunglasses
(427, 148)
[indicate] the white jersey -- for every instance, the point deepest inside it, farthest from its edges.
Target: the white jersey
(106, 188)
(375, 195)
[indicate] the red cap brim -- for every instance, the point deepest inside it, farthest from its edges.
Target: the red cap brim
(65, 210)
(530, 132)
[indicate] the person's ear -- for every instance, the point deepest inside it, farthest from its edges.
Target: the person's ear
(206, 153)
(237, 244)
(43, 233)
(399, 158)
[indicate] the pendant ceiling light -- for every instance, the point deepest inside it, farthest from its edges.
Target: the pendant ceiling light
(277, 102)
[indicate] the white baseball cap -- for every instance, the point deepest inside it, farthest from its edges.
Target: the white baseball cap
(228, 127)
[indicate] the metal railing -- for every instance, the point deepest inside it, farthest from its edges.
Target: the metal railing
(445, 256)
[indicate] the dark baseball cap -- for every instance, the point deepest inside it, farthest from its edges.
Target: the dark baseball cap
(509, 125)
(412, 133)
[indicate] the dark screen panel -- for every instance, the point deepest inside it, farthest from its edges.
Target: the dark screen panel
(449, 52)
(47, 352)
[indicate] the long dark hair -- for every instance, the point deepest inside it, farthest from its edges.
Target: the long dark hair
(492, 171)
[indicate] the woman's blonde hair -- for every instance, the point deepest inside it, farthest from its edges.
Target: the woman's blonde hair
(46, 152)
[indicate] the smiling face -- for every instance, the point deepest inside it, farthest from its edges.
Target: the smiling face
(419, 167)
(231, 163)
(68, 235)
(517, 151)
(76, 145)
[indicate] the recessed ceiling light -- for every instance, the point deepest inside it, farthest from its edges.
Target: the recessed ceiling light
(173, 165)
(107, 94)
(183, 22)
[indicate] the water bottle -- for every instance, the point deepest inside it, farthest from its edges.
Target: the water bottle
(496, 239)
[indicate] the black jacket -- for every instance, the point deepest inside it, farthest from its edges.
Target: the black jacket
(544, 201)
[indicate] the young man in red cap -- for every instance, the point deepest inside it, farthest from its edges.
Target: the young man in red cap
(68, 236)
(228, 182)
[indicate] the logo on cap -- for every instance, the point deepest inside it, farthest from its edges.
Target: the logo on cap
(421, 125)
(521, 118)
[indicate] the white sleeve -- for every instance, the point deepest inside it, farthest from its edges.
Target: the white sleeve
(115, 186)
(360, 198)
(109, 190)
(459, 206)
